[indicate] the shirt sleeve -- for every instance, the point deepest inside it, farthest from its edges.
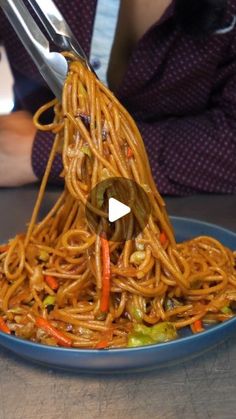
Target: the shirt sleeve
(40, 154)
(197, 153)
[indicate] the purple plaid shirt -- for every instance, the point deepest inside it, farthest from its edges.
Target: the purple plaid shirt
(181, 92)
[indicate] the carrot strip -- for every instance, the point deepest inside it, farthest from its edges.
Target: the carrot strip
(130, 153)
(61, 339)
(197, 326)
(106, 274)
(3, 326)
(52, 282)
(102, 344)
(163, 238)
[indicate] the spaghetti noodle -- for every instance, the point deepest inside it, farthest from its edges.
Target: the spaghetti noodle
(62, 284)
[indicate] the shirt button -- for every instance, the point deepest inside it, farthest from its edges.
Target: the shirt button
(95, 63)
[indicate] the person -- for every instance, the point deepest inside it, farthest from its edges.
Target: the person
(172, 65)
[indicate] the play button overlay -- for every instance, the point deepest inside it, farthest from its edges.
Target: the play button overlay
(118, 207)
(116, 210)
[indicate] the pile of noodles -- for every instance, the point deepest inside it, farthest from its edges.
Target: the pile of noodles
(151, 278)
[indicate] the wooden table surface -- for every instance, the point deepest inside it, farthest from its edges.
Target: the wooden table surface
(202, 388)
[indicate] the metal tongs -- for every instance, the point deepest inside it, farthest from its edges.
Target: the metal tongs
(52, 65)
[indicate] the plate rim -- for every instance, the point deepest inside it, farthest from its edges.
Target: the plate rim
(206, 223)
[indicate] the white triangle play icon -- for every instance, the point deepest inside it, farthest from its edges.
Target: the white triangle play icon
(117, 210)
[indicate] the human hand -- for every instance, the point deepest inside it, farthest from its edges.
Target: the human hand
(17, 133)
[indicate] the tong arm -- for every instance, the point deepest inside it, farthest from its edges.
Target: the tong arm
(52, 65)
(57, 28)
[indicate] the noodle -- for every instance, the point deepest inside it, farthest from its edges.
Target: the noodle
(62, 284)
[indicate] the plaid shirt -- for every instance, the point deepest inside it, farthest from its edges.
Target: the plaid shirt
(181, 92)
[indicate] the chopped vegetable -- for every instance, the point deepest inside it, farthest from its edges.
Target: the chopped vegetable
(105, 174)
(145, 335)
(86, 150)
(130, 153)
(100, 316)
(26, 331)
(137, 257)
(163, 238)
(49, 300)
(100, 196)
(226, 310)
(36, 279)
(15, 310)
(136, 313)
(197, 326)
(84, 331)
(139, 245)
(3, 326)
(102, 344)
(100, 192)
(52, 282)
(59, 336)
(106, 273)
(171, 303)
(43, 256)
(139, 339)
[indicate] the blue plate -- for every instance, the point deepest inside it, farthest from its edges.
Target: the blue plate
(142, 358)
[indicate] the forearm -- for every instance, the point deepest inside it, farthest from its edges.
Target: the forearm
(16, 139)
(24, 151)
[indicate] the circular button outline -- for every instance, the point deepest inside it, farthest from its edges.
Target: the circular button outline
(126, 191)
